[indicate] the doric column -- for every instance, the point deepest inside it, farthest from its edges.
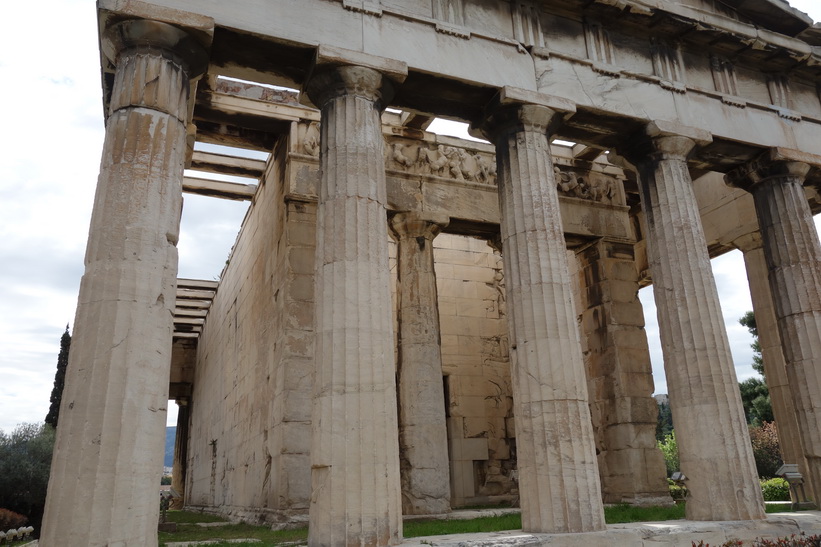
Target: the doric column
(109, 448)
(620, 377)
(180, 467)
(793, 255)
(775, 370)
(558, 474)
(355, 485)
(423, 437)
(713, 442)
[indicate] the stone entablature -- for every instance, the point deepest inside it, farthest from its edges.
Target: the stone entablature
(585, 45)
(422, 170)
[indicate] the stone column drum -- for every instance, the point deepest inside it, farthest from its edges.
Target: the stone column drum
(558, 474)
(793, 254)
(775, 371)
(713, 442)
(423, 437)
(109, 448)
(355, 485)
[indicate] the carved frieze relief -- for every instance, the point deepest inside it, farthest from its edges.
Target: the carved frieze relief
(440, 160)
(589, 185)
(406, 156)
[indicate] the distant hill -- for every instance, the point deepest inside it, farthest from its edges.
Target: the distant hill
(170, 436)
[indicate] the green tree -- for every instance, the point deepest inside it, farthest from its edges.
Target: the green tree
(756, 400)
(664, 426)
(755, 396)
(25, 462)
(748, 320)
(59, 380)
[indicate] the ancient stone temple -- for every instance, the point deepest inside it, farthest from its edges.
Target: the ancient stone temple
(410, 323)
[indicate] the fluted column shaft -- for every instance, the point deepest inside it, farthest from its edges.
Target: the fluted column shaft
(180, 466)
(109, 448)
(775, 370)
(713, 441)
(423, 436)
(793, 254)
(355, 497)
(558, 473)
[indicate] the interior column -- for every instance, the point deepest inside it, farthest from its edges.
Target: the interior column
(775, 370)
(423, 437)
(617, 359)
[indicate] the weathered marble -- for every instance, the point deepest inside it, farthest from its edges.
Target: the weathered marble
(180, 453)
(701, 380)
(775, 370)
(355, 482)
(558, 475)
(109, 448)
(793, 255)
(423, 446)
(619, 376)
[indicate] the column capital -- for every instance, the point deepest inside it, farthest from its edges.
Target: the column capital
(662, 140)
(189, 49)
(415, 224)
(338, 72)
(748, 242)
(513, 109)
(775, 163)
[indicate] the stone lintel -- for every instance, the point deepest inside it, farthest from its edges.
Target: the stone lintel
(774, 162)
(662, 128)
(517, 96)
(328, 58)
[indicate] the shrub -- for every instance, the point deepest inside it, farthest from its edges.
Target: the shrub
(793, 541)
(676, 492)
(10, 519)
(669, 448)
(766, 451)
(25, 460)
(775, 489)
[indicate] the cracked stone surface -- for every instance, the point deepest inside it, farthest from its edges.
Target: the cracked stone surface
(109, 447)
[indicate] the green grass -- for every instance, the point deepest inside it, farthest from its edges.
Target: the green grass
(417, 528)
(612, 515)
(189, 517)
(785, 508)
(617, 514)
(187, 530)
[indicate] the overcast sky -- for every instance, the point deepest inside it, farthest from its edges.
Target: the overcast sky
(51, 141)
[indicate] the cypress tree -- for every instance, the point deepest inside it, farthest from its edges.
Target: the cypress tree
(59, 380)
